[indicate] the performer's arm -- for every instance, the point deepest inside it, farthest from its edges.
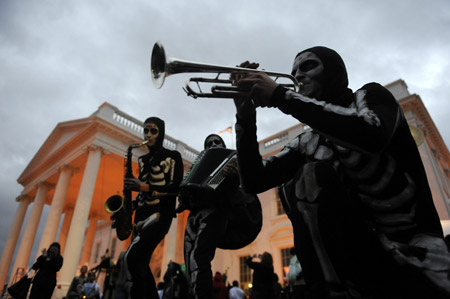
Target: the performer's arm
(367, 126)
(258, 175)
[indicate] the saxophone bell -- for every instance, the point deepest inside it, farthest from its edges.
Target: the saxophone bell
(121, 214)
(121, 208)
(113, 204)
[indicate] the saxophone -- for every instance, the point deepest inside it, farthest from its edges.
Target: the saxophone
(121, 208)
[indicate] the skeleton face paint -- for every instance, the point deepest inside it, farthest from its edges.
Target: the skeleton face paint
(308, 69)
(151, 133)
(213, 141)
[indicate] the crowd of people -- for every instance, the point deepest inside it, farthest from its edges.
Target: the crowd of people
(353, 186)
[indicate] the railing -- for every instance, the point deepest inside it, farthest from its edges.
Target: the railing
(135, 126)
(127, 122)
(276, 139)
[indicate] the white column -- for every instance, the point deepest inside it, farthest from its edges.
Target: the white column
(65, 227)
(56, 208)
(11, 242)
(29, 234)
(74, 243)
(169, 246)
(89, 240)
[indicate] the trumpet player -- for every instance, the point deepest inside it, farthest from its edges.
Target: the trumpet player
(160, 173)
(362, 212)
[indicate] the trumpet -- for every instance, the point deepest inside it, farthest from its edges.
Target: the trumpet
(162, 67)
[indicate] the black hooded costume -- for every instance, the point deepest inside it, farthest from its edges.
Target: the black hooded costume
(47, 266)
(357, 192)
(162, 170)
(206, 225)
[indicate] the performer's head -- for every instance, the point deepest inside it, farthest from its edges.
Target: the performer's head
(154, 131)
(323, 74)
(54, 249)
(214, 140)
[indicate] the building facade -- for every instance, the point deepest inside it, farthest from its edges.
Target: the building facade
(81, 164)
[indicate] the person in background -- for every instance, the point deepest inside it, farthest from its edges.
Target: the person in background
(277, 288)
(263, 286)
(106, 264)
(46, 265)
(236, 292)
(76, 287)
(91, 289)
(295, 276)
(219, 287)
(160, 289)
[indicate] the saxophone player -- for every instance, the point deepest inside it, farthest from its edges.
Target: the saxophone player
(160, 173)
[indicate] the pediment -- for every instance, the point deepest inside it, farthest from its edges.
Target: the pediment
(60, 136)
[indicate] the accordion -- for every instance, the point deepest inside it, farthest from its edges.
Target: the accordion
(206, 172)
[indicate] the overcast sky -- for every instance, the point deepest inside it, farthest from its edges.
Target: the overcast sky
(60, 60)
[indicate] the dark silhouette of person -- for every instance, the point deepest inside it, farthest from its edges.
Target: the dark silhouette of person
(46, 265)
(76, 286)
(263, 283)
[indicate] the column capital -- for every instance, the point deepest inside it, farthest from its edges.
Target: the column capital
(44, 184)
(24, 198)
(67, 167)
(93, 147)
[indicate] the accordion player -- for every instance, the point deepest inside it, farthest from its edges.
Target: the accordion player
(213, 180)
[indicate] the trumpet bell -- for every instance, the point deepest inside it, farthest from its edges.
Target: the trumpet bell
(158, 65)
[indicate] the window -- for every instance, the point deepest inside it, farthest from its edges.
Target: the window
(113, 247)
(280, 209)
(245, 274)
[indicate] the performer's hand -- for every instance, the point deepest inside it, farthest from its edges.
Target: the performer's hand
(44, 252)
(132, 184)
(261, 88)
(230, 171)
(244, 105)
(236, 76)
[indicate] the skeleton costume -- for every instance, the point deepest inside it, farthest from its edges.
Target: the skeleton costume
(364, 221)
(162, 170)
(206, 225)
